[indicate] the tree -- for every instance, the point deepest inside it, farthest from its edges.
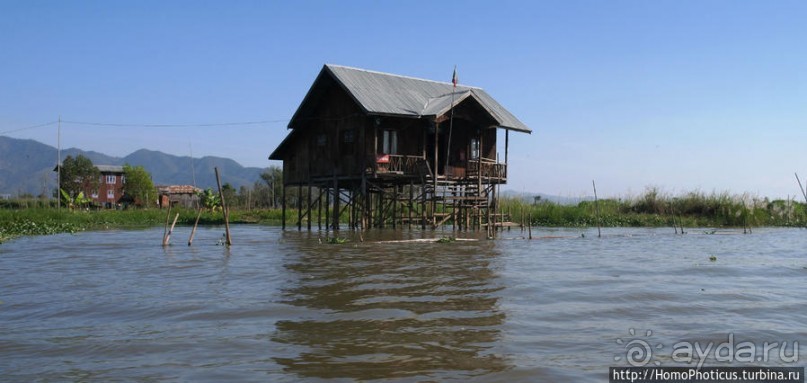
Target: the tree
(273, 176)
(79, 175)
(229, 195)
(138, 185)
(209, 200)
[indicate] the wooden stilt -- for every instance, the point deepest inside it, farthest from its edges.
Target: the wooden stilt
(336, 203)
(308, 204)
(299, 206)
(411, 203)
(327, 209)
(319, 208)
(394, 206)
(283, 209)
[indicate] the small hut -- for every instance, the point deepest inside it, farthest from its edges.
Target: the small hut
(385, 149)
(178, 195)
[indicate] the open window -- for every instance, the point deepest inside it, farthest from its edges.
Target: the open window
(474, 148)
(390, 142)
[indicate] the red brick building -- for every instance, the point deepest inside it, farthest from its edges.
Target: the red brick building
(110, 187)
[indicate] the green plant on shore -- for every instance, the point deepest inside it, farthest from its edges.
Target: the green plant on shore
(657, 209)
(651, 209)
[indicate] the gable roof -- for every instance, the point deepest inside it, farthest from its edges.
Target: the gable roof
(378, 93)
(385, 94)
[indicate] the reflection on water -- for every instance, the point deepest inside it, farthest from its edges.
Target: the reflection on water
(382, 311)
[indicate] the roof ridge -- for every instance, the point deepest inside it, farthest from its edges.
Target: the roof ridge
(400, 76)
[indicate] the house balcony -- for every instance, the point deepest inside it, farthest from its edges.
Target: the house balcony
(395, 165)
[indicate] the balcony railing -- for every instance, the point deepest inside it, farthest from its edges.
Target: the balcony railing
(489, 169)
(397, 164)
(415, 165)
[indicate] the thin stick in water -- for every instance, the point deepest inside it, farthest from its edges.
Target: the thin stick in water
(195, 224)
(597, 208)
(224, 209)
(803, 192)
(167, 219)
(168, 236)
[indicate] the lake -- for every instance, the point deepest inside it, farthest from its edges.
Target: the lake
(288, 306)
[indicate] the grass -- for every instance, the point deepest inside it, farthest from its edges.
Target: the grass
(45, 221)
(655, 209)
(650, 209)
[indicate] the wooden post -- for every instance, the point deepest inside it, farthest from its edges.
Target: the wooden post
(327, 209)
(411, 202)
(506, 147)
(423, 205)
(195, 224)
(336, 201)
(394, 206)
(479, 177)
(351, 209)
(167, 219)
(436, 171)
(319, 208)
(224, 209)
(381, 209)
(168, 236)
(283, 209)
(529, 224)
(308, 209)
(597, 207)
(300, 206)
(495, 213)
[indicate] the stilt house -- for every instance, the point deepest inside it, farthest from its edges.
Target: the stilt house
(373, 149)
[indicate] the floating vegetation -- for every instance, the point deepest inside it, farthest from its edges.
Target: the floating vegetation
(25, 227)
(336, 241)
(446, 240)
(713, 258)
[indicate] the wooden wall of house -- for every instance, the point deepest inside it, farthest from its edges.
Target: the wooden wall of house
(471, 112)
(328, 144)
(409, 133)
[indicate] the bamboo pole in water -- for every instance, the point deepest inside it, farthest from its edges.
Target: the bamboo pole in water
(195, 224)
(597, 208)
(803, 192)
(168, 236)
(167, 219)
(224, 209)
(672, 211)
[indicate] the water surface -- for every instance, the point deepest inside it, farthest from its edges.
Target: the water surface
(288, 306)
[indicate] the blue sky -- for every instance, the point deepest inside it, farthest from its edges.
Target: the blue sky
(681, 95)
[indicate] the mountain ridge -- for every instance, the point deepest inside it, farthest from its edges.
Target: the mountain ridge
(26, 167)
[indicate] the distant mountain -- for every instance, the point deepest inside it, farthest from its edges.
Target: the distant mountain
(26, 166)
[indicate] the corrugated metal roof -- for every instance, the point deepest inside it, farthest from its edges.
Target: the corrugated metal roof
(109, 168)
(389, 94)
(178, 189)
(378, 93)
